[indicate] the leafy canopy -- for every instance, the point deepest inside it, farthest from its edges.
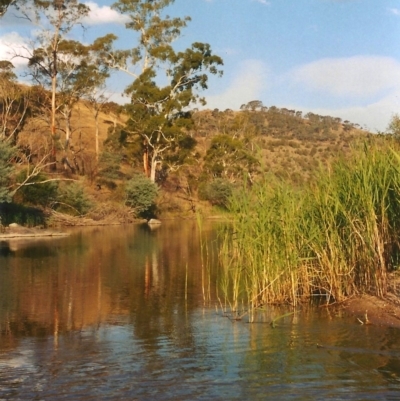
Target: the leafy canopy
(166, 82)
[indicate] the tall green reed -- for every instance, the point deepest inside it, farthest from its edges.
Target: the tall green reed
(335, 237)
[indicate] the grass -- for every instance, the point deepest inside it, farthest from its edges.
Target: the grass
(335, 237)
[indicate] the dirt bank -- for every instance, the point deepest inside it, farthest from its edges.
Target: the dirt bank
(369, 309)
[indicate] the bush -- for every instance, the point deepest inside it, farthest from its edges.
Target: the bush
(73, 199)
(35, 193)
(109, 166)
(217, 192)
(20, 214)
(141, 194)
(6, 169)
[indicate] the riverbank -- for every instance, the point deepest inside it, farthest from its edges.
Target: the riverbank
(14, 231)
(371, 310)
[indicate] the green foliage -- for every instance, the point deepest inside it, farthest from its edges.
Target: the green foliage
(6, 169)
(157, 113)
(21, 214)
(394, 126)
(141, 194)
(334, 237)
(110, 165)
(35, 191)
(4, 4)
(217, 192)
(228, 158)
(73, 199)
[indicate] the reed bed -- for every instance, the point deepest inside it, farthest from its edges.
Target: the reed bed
(336, 237)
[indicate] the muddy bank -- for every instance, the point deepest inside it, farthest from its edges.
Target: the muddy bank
(371, 310)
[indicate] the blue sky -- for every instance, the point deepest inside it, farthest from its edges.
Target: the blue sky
(331, 57)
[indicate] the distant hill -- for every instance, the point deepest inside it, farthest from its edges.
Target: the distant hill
(286, 143)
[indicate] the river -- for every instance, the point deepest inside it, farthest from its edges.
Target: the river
(130, 313)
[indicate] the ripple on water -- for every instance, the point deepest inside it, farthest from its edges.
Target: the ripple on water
(216, 359)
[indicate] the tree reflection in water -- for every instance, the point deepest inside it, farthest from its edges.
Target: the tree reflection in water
(119, 313)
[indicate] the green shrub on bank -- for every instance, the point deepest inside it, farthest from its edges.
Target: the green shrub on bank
(217, 192)
(37, 191)
(20, 214)
(6, 169)
(110, 166)
(141, 195)
(73, 199)
(336, 237)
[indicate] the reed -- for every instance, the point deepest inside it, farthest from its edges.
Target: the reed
(336, 237)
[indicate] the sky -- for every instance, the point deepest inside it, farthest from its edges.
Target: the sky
(331, 57)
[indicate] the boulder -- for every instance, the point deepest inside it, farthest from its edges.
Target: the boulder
(153, 222)
(15, 228)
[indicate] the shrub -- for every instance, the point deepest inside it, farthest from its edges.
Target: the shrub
(73, 199)
(36, 191)
(6, 169)
(109, 166)
(20, 214)
(141, 194)
(217, 192)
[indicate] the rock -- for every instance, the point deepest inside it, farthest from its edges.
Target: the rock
(17, 229)
(154, 222)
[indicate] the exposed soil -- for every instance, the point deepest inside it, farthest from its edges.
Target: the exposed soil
(369, 309)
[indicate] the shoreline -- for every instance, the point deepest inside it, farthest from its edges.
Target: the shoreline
(370, 310)
(32, 235)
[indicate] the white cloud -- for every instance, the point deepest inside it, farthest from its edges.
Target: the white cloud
(247, 84)
(103, 15)
(12, 44)
(394, 11)
(359, 76)
(265, 2)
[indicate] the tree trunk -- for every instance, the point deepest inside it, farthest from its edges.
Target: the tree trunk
(96, 119)
(153, 170)
(53, 121)
(153, 166)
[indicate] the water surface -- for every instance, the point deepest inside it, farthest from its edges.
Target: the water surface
(126, 313)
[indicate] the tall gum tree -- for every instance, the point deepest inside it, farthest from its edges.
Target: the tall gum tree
(165, 83)
(80, 74)
(55, 19)
(4, 5)
(14, 103)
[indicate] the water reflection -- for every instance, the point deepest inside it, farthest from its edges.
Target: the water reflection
(98, 275)
(119, 313)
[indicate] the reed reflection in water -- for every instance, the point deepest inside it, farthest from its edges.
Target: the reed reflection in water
(119, 313)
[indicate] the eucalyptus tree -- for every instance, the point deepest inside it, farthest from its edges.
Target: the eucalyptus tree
(4, 5)
(55, 19)
(96, 95)
(394, 126)
(228, 158)
(14, 103)
(80, 74)
(166, 82)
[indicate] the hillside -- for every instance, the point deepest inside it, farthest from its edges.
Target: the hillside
(285, 142)
(229, 146)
